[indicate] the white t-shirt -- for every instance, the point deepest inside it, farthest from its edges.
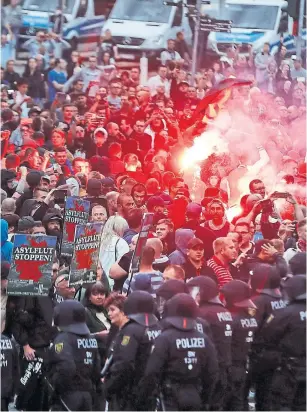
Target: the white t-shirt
(108, 255)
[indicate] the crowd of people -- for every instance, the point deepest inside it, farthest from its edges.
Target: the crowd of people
(220, 287)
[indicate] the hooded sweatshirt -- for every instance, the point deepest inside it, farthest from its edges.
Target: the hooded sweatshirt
(6, 246)
(182, 238)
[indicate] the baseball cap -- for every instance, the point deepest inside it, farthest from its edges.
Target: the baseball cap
(27, 222)
(194, 209)
(183, 82)
(46, 177)
(34, 110)
(295, 57)
(195, 242)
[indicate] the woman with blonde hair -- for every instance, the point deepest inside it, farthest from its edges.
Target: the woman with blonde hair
(113, 247)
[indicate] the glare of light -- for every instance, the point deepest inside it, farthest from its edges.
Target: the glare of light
(233, 212)
(204, 145)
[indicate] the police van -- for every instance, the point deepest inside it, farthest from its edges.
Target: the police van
(144, 26)
(84, 18)
(255, 22)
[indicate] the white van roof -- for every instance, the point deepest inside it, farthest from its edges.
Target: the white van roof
(281, 3)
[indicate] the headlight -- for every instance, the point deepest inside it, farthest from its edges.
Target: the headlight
(154, 41)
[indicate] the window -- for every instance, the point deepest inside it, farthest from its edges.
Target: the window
(178, 16)
(82, 8)
(100, 8)
(154, 11)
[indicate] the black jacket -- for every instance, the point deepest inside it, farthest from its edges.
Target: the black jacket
(74, 363)
(132, 348)
(96, 325)
(220, 322)
(267, 302)
(33, 321)
(184, 364)
(191, 271)
(36, 84)
(9, 367)
(244, 327)
(243, 272)
(285, 331)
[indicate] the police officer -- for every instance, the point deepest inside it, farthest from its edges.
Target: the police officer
(220, 321)
(285, 330)
(237, 297)
(183, 363)
(266, 295)
(131, 350)
(74, 360)
(171, 288)
(9, 368)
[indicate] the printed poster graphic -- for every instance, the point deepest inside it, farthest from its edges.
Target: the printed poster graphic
(31, 267)
(76, 213)
(83, 266)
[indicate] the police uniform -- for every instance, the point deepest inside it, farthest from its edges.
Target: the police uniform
(33, 326)
(220, 321)
(171, 288)
(266, 295)
(74, 371)
(9, 371)
(244, 326)
(183, 364)
(285, 331)
(131, 349)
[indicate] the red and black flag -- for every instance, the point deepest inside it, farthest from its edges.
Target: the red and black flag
(210, 105)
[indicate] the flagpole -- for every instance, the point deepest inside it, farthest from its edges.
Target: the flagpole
(300, 29)
(195, 44)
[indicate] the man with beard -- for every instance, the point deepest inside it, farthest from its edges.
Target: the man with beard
(217, 221)
(155, 204)
(124, 204)
(81, 103)
(53, 224)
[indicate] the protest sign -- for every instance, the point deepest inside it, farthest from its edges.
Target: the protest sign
(76, 213)
(31, 267)
(86, 252)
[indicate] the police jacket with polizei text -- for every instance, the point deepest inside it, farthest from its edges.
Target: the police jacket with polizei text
(183, 357)
(9, 367)
(267, 302)
(74, 363)
(285, 330)
(131, 348)
(244, 327)
(220, 321)
(33, 321)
